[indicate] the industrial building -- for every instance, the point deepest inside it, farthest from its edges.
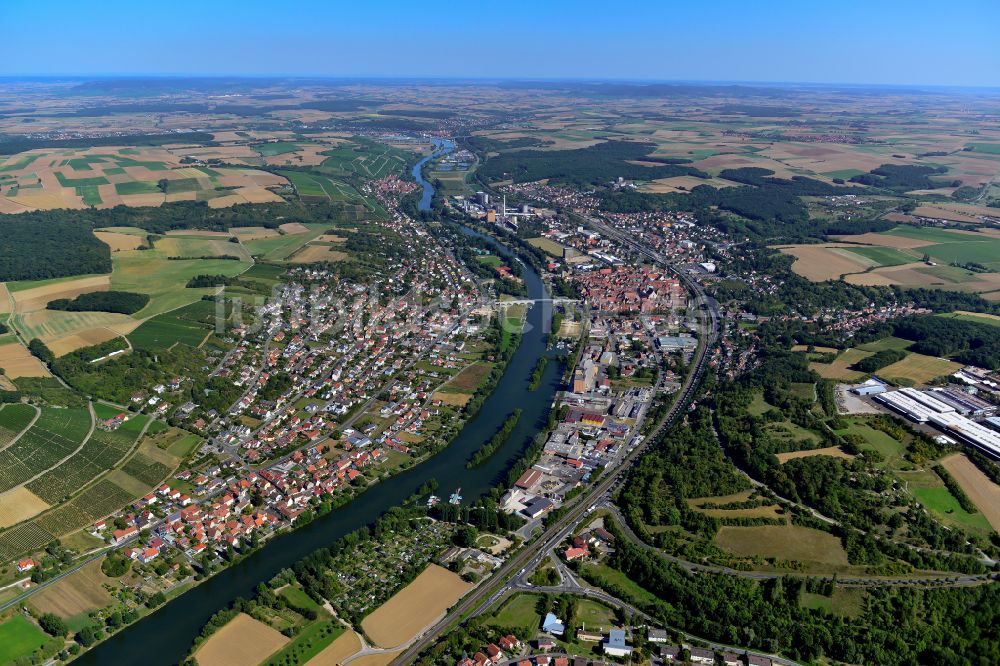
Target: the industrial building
(925, 407)
(873, 386)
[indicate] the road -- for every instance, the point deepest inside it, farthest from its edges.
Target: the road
(564, 526)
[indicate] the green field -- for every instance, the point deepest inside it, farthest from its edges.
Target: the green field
(56, 434)
(189, 325)
(19, 637)
(279, 248)
(519, 611)
(758, 405)
(939, 501)
(845, 601)
(547, 245)
(90, 194)
(989, 148)
(886, 343)
(366, 159)
(150, 272)
(316, 186)
(949, 246)
(137, 187)
(884, 256)
(490, 260)
(275, 148)
(890, 449)
(80, 182)
(990, 320)
(307, 643)
(20, 164)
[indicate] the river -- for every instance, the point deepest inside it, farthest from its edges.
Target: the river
(441, 147)
(165, 636)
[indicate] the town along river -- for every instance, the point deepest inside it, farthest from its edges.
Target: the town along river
(165, 636)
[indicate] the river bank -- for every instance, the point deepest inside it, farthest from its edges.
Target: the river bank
(164, 636)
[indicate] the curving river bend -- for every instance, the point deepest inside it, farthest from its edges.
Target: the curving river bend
(164, 637)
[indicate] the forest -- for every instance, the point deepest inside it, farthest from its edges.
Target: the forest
(769, 208)
(879, 360)
(902, 177)
(123, 302)
(60, 246)
(897, 626)
(857, 493)
(965, 341)
(10, 145)
(597, 164)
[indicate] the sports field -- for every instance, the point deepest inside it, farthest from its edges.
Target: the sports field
(415, 607)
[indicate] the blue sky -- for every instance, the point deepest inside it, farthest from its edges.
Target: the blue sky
(878, 41)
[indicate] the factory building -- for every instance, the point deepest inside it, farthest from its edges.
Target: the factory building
(924, 407)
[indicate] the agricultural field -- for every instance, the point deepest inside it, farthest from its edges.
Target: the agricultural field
(190, 325)
(77, 593)
(981, 490)
(334, 654)
(98, 501)
(243, 640)
(19, 504)
(55, 435)
(978, 317)
(832, 451)
(931, 492)
(840, 368)
(317, 252)
(766, 510)
(367, 159)
(150, 272)
(14, 419)
(24, 538)
(280, 247)
(106, 177)
(788, 542)
(918, 369)
(469, 379)
(18, 362)
(415, 607)
(895, 257)
(102, 452)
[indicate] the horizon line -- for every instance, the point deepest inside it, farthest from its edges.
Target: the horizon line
(476, 78)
